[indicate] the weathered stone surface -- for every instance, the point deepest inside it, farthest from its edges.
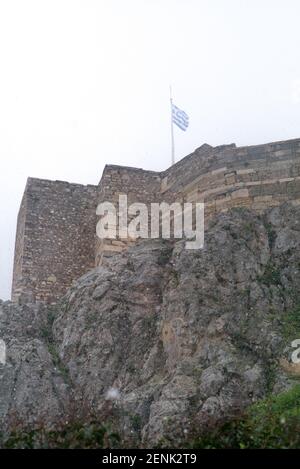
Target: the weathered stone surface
(33, 390)
(57, 220)
(55, 239)
(187, 339)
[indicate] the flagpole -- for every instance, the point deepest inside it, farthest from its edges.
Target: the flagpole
(172, 130)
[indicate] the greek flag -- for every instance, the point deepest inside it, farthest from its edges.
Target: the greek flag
(180, 118)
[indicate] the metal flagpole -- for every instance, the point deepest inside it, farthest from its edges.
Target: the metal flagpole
(172, 129)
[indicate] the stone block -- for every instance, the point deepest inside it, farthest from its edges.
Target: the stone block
(240, 193)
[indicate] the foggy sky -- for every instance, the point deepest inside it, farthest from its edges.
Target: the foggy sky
(86, 82)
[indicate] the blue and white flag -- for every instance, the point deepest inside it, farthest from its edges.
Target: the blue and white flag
(180, 118)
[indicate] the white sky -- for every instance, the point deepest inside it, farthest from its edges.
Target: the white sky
(86, 82)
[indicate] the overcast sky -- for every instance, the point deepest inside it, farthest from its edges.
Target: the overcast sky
(86, 82)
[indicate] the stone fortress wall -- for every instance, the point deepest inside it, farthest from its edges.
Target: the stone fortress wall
(257, 177)
(139, 186)
(56, 240)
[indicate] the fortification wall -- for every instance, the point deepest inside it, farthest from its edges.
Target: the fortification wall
(55, 241)
(19, 258)
(257, 177)
(139, 186)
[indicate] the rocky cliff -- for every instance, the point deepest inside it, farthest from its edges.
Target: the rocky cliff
(161, 343)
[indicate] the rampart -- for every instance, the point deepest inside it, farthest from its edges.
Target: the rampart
(257, 177)
(56, 241)
(55, 238)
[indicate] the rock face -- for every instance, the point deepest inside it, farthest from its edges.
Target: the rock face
(163, 342)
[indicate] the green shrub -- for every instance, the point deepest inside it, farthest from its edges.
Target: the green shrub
(78, 435)
(271, 423)
(271, 275)
(291, 324)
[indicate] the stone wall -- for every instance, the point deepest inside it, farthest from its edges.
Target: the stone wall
(55, 241)
(139, 186)
(223, 177)
(19, 258)
(257, 177)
